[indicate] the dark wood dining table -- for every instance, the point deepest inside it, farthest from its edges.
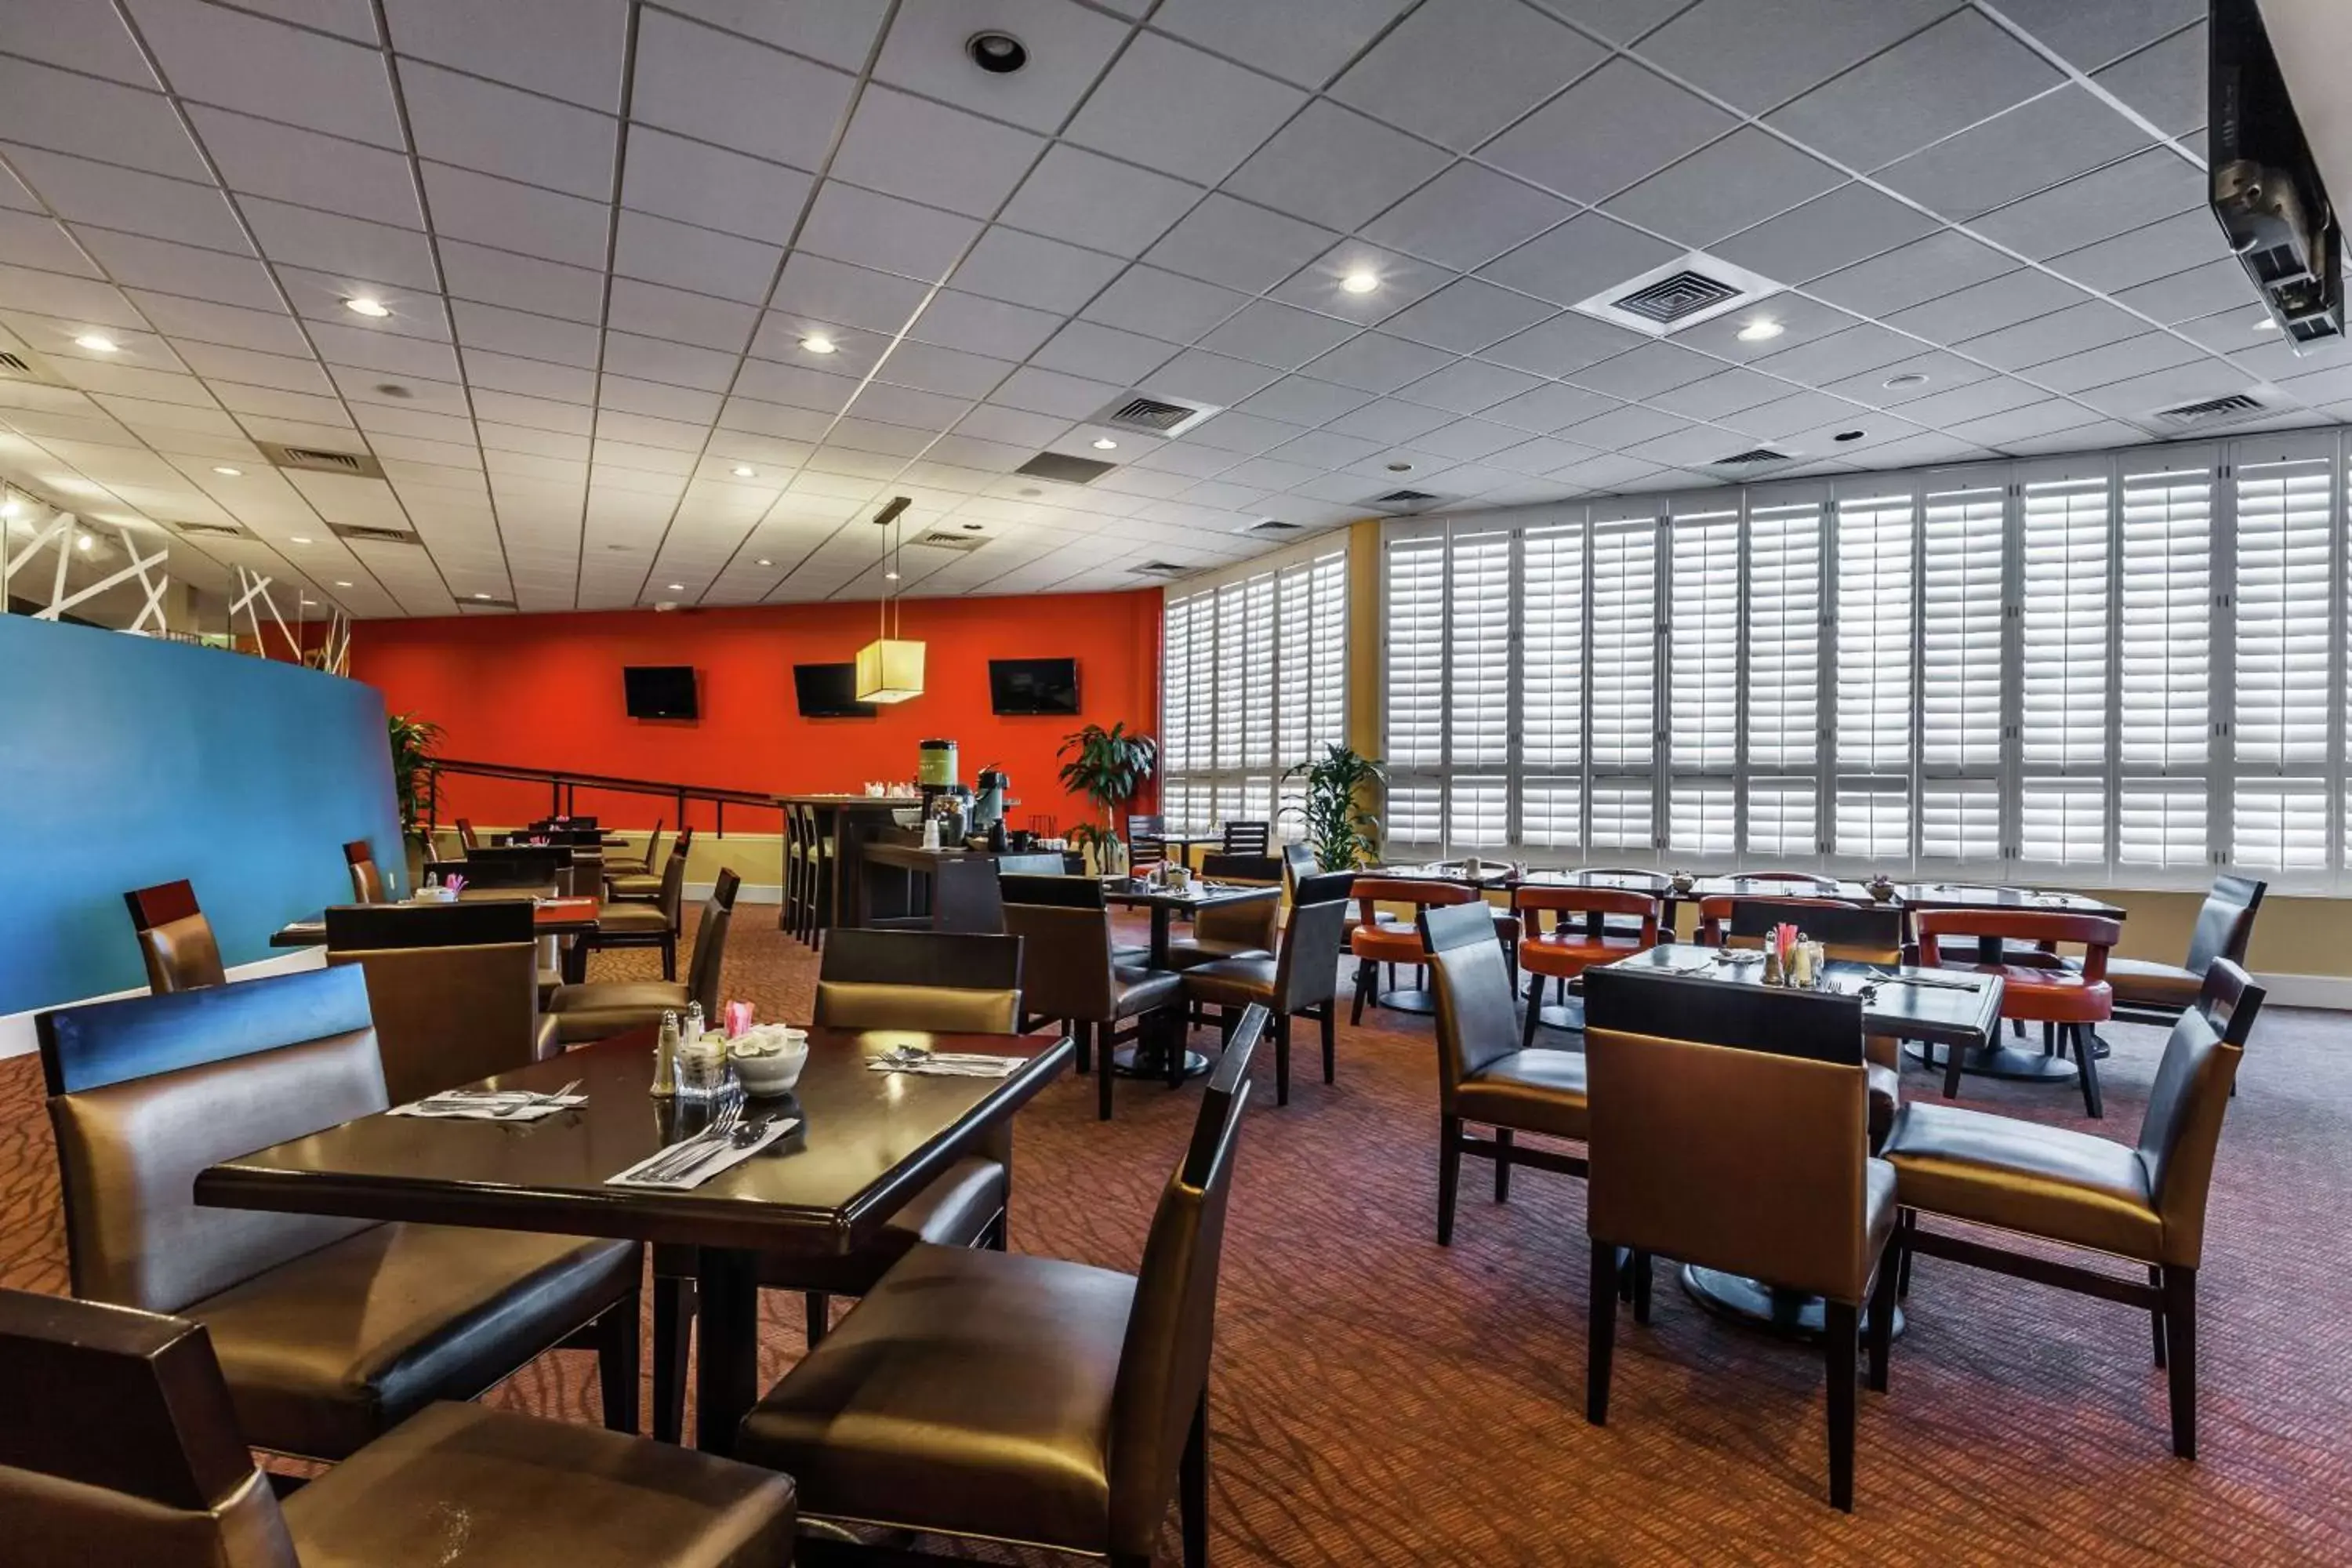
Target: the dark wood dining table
(553, 915)
(866, 1143)
(1938, 1011)
(1145, 1060)
(1993, 1059)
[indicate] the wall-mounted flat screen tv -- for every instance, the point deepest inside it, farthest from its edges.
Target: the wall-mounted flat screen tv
(660, 690)
(1033, 685)
(829, 691)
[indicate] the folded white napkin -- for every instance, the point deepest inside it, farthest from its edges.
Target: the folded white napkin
(950, 1065)
(487, 1108)
(723, 1155)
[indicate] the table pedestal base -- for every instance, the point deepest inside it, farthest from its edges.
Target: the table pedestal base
(1786, 1314)
(1567, 1014)
(1420, 1002)
(1151, 1061)
(2009, 1062)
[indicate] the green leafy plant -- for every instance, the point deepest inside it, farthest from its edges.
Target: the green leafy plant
(1107, 766)
(1341, 830)
(412, 740)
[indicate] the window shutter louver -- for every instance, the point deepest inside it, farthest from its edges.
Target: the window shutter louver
(1875, 540)
(2280, 657)
(1963, 546)
(2065, 620)
(1703, 706)
(1622, 699)
(1784, 651)
(1551, 685)
(2165, 627)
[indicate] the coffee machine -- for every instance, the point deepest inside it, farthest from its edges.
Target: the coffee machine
(944, 797)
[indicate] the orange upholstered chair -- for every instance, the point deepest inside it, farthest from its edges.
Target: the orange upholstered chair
(1379, 939)
(2075, 1000)
(1579, 936)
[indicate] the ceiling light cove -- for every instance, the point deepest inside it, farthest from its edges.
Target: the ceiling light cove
(369, 306)
(98, 344)
(818, 343)
(1760, 332)
(1360, 282)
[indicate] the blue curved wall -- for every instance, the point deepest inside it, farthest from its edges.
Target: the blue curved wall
(126, 761)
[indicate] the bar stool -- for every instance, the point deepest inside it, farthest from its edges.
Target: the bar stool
(1376, 941)
(2074, 1002)
(1570, 947)
(814, 848)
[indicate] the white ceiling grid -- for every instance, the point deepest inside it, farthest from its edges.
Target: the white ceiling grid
(603, 228)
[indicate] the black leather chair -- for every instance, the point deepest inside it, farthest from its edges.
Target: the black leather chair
(1069, 971)
(967, 895)
(175, 940)
(1302, 981)
(2151, 993)
(600, 1009)
(453, 989)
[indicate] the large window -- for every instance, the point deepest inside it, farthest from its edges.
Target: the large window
(1253, 679)
(2126, 666)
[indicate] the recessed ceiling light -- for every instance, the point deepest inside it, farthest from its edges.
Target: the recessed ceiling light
(1031, 490)
(1847, 436)
(87, 541)
(98, 344)
(481, 595)
(678, 588)
(763, 560)
(1760, 332)
(745, 471)
(11, 508)
(1361, 281)
(341, 583)
(1399, 468)
(1104, 444)
(2266, 325)
(1908, 378)
(368, 306)
(889, 576)
(224, 471)
(998, 54)
(818, 343)
(971, 528)
(309, 600)
(297, 538)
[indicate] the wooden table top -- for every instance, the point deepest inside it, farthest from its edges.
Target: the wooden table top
(1980, 896)
(1198, 896)
(1934, 1013)
(867, 1142)
(553, 915)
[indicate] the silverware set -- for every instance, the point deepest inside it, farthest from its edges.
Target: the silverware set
(504, 1102)
(728, 1131)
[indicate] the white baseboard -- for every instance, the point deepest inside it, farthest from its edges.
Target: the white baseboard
(18, 1038)
(2308, 989)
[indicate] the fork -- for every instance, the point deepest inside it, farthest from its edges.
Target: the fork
(741, 1137)
(690, 1153)
(477, 1097)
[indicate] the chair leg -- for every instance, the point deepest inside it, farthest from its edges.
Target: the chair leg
(1367, 977)
(2181, 1346)
(1502, 1164)
(1641, 1272)
(2018, 1025)
(1879, 1331)
(2156, 1317)
(1602, 1338)
(616, 1364)
(1535, 1015)
(1841, 1345)
(1082, 1035)
(1282, 1060)
(1449, 1176)
(816, 1316)
(1104, 1035)
(669, 958)
(2049, 1040)
(1906, 1222)
(1192, 1488)
(1167, 1026)
(673, 1303)
(2087, 1058)
(1329, 1019)
(1393, 984)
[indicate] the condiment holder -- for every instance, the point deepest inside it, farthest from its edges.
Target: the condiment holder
(768, 1059)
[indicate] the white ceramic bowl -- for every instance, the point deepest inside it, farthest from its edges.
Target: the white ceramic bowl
(768, 1073)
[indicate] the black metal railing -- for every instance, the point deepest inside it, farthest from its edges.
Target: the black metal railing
(564, 786)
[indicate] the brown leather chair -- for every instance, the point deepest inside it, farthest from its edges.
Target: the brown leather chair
(647, 888)
(1229, 931)
(1574, 945)
(367, 881)
(635, 865)
(118, 1445)
(452, 988)
(485, 872)
(646, 924)
(598, 1010)
(1147, 840)
(2072, 1000)
(467, 839)
(1483, 1074)
(175, 939)
(1025, 1399)
(966, 895)
(1069, 972)
(2145, 1202)
(331, 1331)
(1730, 1130)
(1303, 981)
(2151, 993)
(1376, 939)
(1852, 933)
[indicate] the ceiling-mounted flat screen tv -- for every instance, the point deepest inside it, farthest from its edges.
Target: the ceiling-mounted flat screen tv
(829, 691)
(1033, 685)
(660, 690)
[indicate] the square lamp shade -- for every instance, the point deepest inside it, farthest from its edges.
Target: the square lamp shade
(889, 670)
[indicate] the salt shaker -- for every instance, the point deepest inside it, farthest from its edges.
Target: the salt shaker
(666, 1059)
(694, 1027)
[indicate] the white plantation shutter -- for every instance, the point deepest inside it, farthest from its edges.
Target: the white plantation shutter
(2066, 555)
(1258, 675)
(1876, 537)
(1551, 685)
(2165, 628)
(1783, 641)
(1413, 642)
(1703, 681)
(1622, 699)
(2284, 628)
(1478, 650)
(1962, 549)
(1175, 693)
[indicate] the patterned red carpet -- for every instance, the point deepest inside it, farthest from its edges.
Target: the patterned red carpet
(1380, 1400)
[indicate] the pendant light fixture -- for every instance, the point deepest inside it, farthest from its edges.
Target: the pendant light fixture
(890, 668)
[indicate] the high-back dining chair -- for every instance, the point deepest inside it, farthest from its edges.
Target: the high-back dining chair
(1728, 1131)
(648, 923)
(2072, 1000)
(2150, 992)
(1147, 842)
(967, 896)
(637, 865)
(367, 880)
(330, 1330)
(467, 839)
(120, 1445)
(646, 888)
(2144, 1202)
(1579, 935)
(600, 1009)
(1302, 980)
(175, 940)
(1855, 933)
(453, 989)
(956, 983)
(1377, 939)
(809, 864)
(1247, 837)
(1058, 1405)
(1069, 971)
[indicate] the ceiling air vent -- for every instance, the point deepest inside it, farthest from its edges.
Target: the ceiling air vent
(1069, 470)
(1153, 416)
(1681, 293)
(373, 535)
(319, 461)
(1752, 457)
(23, 365)
(482, 603)
(1403, 500)
(2212, 411)
(210, 531)
(959, 542)
(1270, 528)
(1161, 569)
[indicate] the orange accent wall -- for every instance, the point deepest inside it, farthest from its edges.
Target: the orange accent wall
(544, 690)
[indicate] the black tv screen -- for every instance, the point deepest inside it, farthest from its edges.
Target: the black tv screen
(1033, 685)
(829, 691)
(660, 690)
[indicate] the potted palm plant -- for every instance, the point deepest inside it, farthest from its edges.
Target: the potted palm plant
(1340, 827)
(412, 740)
(1107, 766)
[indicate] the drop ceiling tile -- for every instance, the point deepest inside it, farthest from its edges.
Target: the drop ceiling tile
(2028, 148)
(489, 211)
(1239, 245)
(1413, 76)
(1378, 362)
(1782, 417)
(2083, 437)
(1467, 316)
(1723, 187)
(1606, 473)
(992, 422)
(1755, 54)
(752, 417)
(927, 411)
(1271, 474)
(1563, 345)
(2164, 82)
(1399, 280)
(1467, 386)
(1164, 305)
(530, 412)
(78, 114)
(141, 263)
(531, 337)
(201, 320)
(1610, 130)
(1726, 392)
(29, 240)
(1197, 375)
(672, 177)
(1390, 421)
(237, 61)
(867, 229)
(1689, 447)
(2225, 333)
(2199, 292)
(660, 251)
(991, 327)
(2089, 33)
(1188, 461)
(2045, 418)
(529, 377)
(944, 371)
(508, 42)
(2067, 331)
(1549, 408)
(1942, 371)
(815, 291)
(708, 85)
(1304, 401)
(1468, 217)
(1306, 44)
(989, 456)
(1645, 372)
(310, 170)
(2114, 361)
(1105, 354)
(1327, 449)
(1278, 335)
(1334, 166)
(1578, 259)
(1625, 427)
(1045, 273)
(1090, 200)
(2125, 195)
(2142, 395)
(925, 53)
(654, 311)
(516, 135)
(2158, 250)
(79, 37)
(1169, 107)
(391, 352)
(796, 385)
(1838, 355)
(911, 147)
(1940, 264)
(82, 191)
(681, 364)
(1960, 71)
(1037, 391)
(499, 278)
(1848, 225)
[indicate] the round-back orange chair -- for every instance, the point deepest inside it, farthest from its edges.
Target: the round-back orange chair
(1377, 939)
(2074, 1001)
(1573, 946)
